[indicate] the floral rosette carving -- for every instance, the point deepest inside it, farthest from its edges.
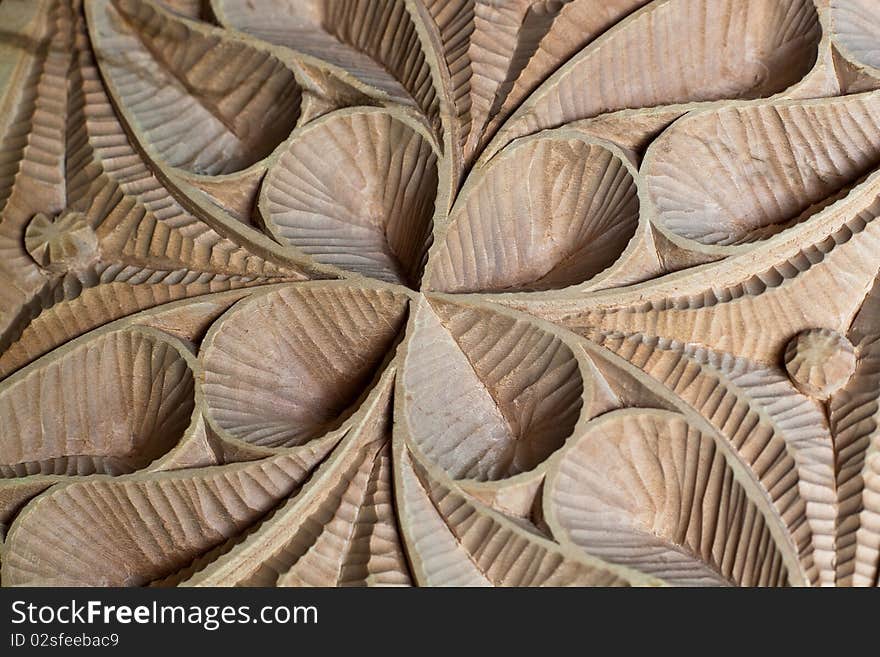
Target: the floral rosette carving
(409, 292)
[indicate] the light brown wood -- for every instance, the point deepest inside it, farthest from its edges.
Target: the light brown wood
(421, 292)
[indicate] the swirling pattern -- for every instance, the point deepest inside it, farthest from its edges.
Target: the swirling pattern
(459, 293)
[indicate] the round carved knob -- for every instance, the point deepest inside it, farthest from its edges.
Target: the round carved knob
(819, 362)
(62, 244)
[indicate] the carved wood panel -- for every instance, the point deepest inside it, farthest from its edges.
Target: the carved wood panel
(439, 292)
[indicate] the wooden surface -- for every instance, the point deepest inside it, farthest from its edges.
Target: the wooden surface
(439, 292)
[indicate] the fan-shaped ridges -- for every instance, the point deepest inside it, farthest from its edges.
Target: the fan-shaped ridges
(453, 22)
(355, 189)
(68, 318)
(546, 213)
(339, 530)
(781, 436)
(504, 37)
(736, 49)
(112, 404)
(202, 101)
(15, 494)
(33, 109)
(738, 174)
(305, 26)
(137, 529)
(32, 130)
(385, 30)
(495, 53)
(456, 540)
(855, 25)
(487, 396)
(574, 24)
(364, 550)
(646, 490)
(137, 219)
(854, 414)
(437, 557)
(817, 276)
(281, 368)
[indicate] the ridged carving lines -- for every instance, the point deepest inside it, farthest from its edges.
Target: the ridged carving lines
(439, 293)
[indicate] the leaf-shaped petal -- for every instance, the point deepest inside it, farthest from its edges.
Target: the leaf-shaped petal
(572, 25)
(281, 368)
(735, 49)
(355, 189)
(377, 41)
(737, 174)
(151, 249)
(141, 528)
(453, 25)
(855, 25)
(813, 274)
(494, 54)
(547, 212)
(487, 395)
(453, 539)
(87, 309)
(339, 530)
(646, 490)
(203, 101)
(505, 35)
(501, 40)
(110, 404)
(15, 494)
(854, 413)
(779, 435)
(35, 56)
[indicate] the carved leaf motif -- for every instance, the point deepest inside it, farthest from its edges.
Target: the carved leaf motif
(37, 105)
(505, 36)
(573, 24)
(517, 396)
(853, 417)
(439, 292)
(141, 528)
(339, 530)
(33, 107)
(453, 23)
(740, 174)
(319, 346)
(205, 102)
(459, 541)
(546, 213)
(495, 54)
(188, 8)
(111, 404)
(355, 189)
(855, 26)
(721, 62)
(150, 249)
(377, 41)
(780, 435)
(815, 274)
(644, 489)
(134, 213)
(94, 307)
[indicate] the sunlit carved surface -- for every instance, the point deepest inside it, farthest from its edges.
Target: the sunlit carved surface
(439, 292)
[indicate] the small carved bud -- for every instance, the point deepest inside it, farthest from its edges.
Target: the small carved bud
(62, 244)
(819, 362)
